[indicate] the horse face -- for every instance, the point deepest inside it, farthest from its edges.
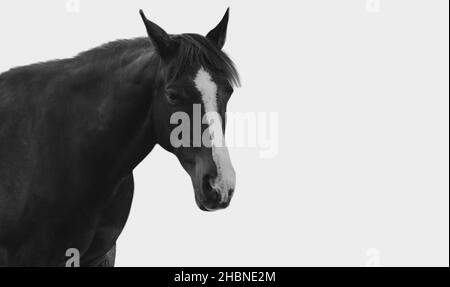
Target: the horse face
(191, 116)
(190, 110)
(194, 132)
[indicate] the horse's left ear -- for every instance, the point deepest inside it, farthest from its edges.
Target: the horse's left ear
(218, 35)
(165, 47)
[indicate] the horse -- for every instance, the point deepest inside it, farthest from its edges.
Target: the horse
(73, 130)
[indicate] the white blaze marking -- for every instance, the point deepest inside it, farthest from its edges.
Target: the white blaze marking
(226, 176)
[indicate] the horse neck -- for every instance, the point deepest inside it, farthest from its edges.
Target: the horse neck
(124, 135)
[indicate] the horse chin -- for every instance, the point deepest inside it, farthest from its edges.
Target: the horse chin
(202, 206)
(210, 207)
(206, 209)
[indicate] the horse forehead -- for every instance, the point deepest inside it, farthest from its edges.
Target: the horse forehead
(207, 87)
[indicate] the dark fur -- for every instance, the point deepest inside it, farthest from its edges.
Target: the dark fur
(65, 130)
(71, 133)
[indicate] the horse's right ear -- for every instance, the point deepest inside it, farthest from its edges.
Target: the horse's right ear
(164, 46)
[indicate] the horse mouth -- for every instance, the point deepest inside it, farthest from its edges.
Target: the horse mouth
(214, 208)
(203, 208)
(210, 206)
(208, 199)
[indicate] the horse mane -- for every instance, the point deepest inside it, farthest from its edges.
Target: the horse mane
(120, 48)
(196, 49)
(193, 49)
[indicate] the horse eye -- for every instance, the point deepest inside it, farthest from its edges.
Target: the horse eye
(172, 98)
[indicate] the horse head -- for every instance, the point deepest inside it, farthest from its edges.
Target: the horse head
(194, 86)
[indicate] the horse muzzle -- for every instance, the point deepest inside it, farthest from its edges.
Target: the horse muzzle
(213, 195)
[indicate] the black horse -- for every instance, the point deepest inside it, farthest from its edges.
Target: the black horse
(73, 130)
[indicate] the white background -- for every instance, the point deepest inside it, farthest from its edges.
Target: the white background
(361, 176)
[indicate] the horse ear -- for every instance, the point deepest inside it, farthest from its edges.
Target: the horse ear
(160, 39)
(218, 35)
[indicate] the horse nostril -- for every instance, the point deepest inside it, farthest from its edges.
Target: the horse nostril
(208, 189)
(208, 182)
(231, 192)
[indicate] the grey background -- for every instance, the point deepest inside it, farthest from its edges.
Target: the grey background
(361, 88)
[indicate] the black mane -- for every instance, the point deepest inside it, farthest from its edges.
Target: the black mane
(119, 48)
(193, 49)
(196, 49)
